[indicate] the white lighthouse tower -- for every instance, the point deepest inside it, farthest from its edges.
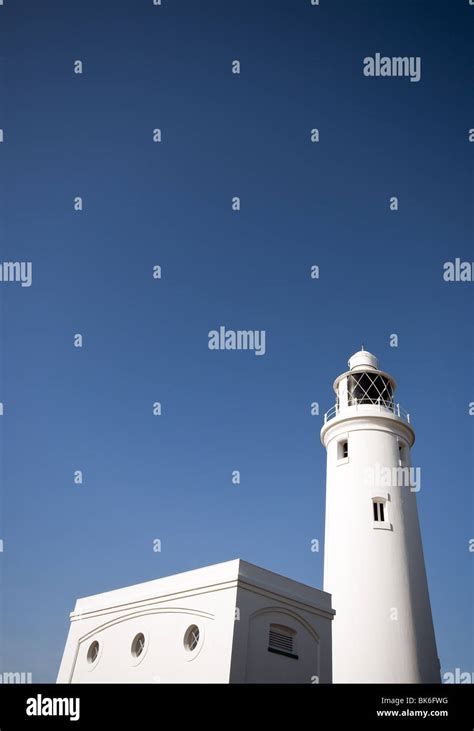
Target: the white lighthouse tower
(373, 557)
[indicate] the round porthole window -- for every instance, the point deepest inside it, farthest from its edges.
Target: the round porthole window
(191, 638)
(93, 652)
(138, 645)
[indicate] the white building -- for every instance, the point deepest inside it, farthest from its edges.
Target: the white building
(373, 557)
(228, 623)
(236, 623)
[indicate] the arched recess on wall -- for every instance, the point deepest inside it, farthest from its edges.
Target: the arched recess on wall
(281, 644)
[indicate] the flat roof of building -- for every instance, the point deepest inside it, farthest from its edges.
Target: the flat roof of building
(229, 574)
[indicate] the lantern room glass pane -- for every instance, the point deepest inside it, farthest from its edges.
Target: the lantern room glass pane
(369, 388)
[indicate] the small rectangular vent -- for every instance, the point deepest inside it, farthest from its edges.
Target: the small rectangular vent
(281, 640)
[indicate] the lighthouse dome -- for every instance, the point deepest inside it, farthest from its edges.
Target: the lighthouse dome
(363, 360)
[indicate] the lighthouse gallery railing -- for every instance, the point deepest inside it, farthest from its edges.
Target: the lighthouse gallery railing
(393, 408)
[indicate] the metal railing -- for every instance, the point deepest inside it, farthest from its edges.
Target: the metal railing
(389, 406)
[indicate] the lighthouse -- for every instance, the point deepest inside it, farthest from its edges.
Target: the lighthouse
(373, 558)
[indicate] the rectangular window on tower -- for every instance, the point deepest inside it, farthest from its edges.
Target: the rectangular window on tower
(378, 511)
(343, 450)
(402, 454)
(379, 508)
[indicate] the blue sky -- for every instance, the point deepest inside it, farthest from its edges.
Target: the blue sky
(303, 204)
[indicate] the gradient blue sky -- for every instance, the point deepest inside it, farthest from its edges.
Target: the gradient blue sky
(169, 477)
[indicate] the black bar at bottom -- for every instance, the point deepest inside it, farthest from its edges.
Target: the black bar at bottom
(154, 706)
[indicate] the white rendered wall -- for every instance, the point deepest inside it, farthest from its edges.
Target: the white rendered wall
(163, 615)
(232, 603)
(383, 630)
(303, 609)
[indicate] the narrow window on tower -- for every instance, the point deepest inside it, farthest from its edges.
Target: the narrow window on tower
(379, 510)
(402, 453)
(343, 450)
